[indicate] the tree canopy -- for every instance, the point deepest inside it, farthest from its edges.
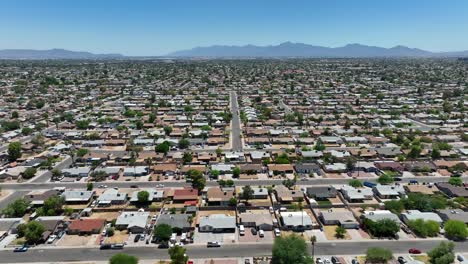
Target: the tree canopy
(456, 230)
(290, 249)
(442, 254)
(122, 258)
(163, 232)
(378, 255)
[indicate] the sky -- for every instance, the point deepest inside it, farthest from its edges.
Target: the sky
(152, 27)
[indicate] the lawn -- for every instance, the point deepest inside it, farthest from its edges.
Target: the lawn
(423, 258)
(324, 202)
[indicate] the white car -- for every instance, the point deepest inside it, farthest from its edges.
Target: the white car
(51, 239)
(261, 233)
(277, 232)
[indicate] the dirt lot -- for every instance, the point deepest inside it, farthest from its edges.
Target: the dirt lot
(330, 233)
(118, 237)
(105, 215)
(75, 240)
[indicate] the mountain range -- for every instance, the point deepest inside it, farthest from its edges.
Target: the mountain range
(289, 49)
(286, 49)
(29, 54)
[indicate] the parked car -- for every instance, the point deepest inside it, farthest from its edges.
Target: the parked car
(354, 261)
(319, 261)
(105, 246)
(261, 233)
(397, 178)
(213, 244)
(137, 238)
(254, 231)
(117, 246)
(133, 186)
(414, 251)
(335, 260)
(21, 249)
(460, 258)
(401, 260)
(51, 239)
(277, 232)
(163, 245)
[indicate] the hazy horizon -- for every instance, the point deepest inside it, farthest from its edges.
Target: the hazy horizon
(152, 28)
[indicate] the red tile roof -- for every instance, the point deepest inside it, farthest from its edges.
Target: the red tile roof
(87, 225)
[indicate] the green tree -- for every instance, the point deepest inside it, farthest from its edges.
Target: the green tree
(355, 183)
(456, 230)
(385, 179)
(395, 206)
(16, 209)
(33, 232)
(187, 158)
(247, 193)
(26, 131)
(163, 147)
(319, 146)
(29, 173)
(424, 228)
(290, 249)
(143, 196)
(81, 152)
(236, 172)
(442, 254)
(110, 231)
(178, 255)
(198, 180)
(167, 130)
(456, 181)
(89, 186)
(233, 201)
(122, 258)
(163, 232)
(184, 143)
(215, 173)
(378, 255)
(14, 151)
(382, 228)
(340, 232)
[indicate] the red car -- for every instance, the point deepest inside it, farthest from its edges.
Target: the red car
(414, 251)
(190, 262)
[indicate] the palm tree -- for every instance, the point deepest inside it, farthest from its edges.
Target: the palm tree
(313, 239)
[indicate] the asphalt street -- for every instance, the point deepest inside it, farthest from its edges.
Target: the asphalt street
(235, 124)
(234, 250)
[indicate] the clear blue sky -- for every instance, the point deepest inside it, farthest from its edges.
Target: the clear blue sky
(139, 27)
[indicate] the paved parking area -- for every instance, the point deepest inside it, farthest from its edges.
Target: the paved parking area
(249, 237)
(225, 238)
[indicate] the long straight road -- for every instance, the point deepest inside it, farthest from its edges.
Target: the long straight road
(235, 124)
(225, 251)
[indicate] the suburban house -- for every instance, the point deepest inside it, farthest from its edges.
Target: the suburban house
(217, 223)
(219, 196)
(308, 168)
(77, 172)
(321, 192)
(178, 221)
(453, 214)
(388, 191)
(379, 215)
(416, 214)
(111, 197)
(186, 196)
(154, 195)
(134, 222)
(259, 193)
(86, 226)
(285, 195)
(344, 219)
(77, 196)
(260, 221)
(453, 191)
(296, 221)
(356, 195)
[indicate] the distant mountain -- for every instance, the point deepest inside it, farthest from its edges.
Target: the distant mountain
(27, 54)
(289, 49)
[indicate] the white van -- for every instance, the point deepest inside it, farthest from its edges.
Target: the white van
(241, 230)
(173, 237)
(261, 233)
